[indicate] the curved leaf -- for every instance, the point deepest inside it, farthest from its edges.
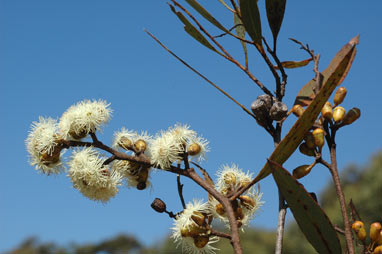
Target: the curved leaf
(311, 219)
(344, 57)
(240, 31)
(191, 30)
(294, 64)
(194, 4)
(295, 135)
(275, 15)
(251, 19)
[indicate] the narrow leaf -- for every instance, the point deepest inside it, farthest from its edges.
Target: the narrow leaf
(295, 135)
(251, 19)
(226, 5)
(191, 30)
(275, 15)
(240, 31)
(194, 4)
(345, 56)
(311, 219)
(294, 64)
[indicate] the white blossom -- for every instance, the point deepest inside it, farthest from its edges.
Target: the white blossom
(132, 173)
(165, 150)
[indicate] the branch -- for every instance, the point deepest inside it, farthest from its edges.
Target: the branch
(180, 191)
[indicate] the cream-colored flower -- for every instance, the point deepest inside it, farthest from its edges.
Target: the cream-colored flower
(181, 133)
(165, 150)
(93, 179)
(43, 146)
(197, 148)
(84, 117)
(190, 229)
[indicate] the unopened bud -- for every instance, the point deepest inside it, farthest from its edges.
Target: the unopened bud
(220, 209)
(78, 134)
(379, 241)
(140, 145)
(375, 230)
(158, 205)
(338, 114)
(359, 229)
(361, 234)
(327, 111)
(304, 149)
(309, 140)
(239, 215)
(229, 178)
(378, 250)
(201, 241)
(298, 110)
(125, 143)
(357, 225)
(302, 171)
(198, 218)
(247, 202)
(351, 116)
(194, 149)
(340, 95)
(278, 111)
(319, 138)
(192, 231)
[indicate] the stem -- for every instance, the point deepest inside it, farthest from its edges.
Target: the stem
(180, 191)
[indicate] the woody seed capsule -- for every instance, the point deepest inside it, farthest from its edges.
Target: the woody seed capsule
(340, 95)
(338, 114)
(327, 111)
(319, 139)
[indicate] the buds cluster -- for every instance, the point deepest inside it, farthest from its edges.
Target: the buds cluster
(375, 235)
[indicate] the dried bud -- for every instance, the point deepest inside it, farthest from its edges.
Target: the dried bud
(201, 241)
(302, 170)
(319, 138)
(351, 116)
(298, 110)
(247, 202)
(198, 218)
(194, 149)
(378, 250)
(140, 145)
(261, 106)
(278, 111)
(309, 140)
(340, 95)
(125, 143)
(327, 111)
(304, 149)
(158, 205)
(375, 230)
(338, 114)
(220, 209)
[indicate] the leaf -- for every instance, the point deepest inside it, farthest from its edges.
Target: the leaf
(275, 15)
(240, 31)
(251, 19)
(226, 5)
(344, 57)
(295, 135)
(311, 219)
(294, 64)
(191, 30)
(194, 4)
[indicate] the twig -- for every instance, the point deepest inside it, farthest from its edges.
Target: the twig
(220, 234)
(180, 191)
(339, 230)
(224, 34)
(353, 211)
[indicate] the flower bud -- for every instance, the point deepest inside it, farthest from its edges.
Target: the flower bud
(278, 111)
(361, 234)
(140, 145)
(194, 149)
(327, 111)
(302, 170)
(351, 116)
(198, 218)
(338, 114)
(78, 134)
(357, 225)
(304, 149)
(359, 229)
(378, 250)
(340, 95)
(375, 230)
(298, 110)
(239, 215)
(201, 241)
(247, 202)
(379, 241)
(158, 205)
(309, 140)
(319, 139)
(220, 209)
(125, 143)
(192, 231)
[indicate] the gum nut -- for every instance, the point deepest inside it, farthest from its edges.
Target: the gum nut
(375, 230)
(201, 241)
(340, 95)
(140, 145)
(194, 149)
(338, 114)
(278, 111)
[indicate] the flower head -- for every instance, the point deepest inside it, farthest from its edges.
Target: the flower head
(135, 175)
(132, 140)
(84, 117)
(191, 231)
(43, 146)
(197, 148)
(93, 179)
(165, 150)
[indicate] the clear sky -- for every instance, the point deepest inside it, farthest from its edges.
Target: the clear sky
(56, 53)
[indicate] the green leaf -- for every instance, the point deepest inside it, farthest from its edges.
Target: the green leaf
(194, 4)
(240, 31)
(275, 15)
(294, 64)
(251, 19)
(345, 56)
(311, 219)
(226, 5)
(191, 30)
(295, 135)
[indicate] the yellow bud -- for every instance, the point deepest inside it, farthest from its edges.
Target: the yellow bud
(201, 241)
(357, 225)
(125, 143)
(327, 111)
(319, 139)
(338, 114)
(302, 170)
(304, 149)
(140, 145)
(351, 116)
(247, 202)
(379, 241)
(378, 250)
(361, 234)
(220, 209)
(298, 110)
(359, 229)
(340, 95)
(375, 230)
(78, 135)
(309, 141)
(198, 218)
(194, 149)
(229, 178)
(192, 231)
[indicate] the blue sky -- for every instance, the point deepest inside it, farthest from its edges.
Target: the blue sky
(56, 53)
